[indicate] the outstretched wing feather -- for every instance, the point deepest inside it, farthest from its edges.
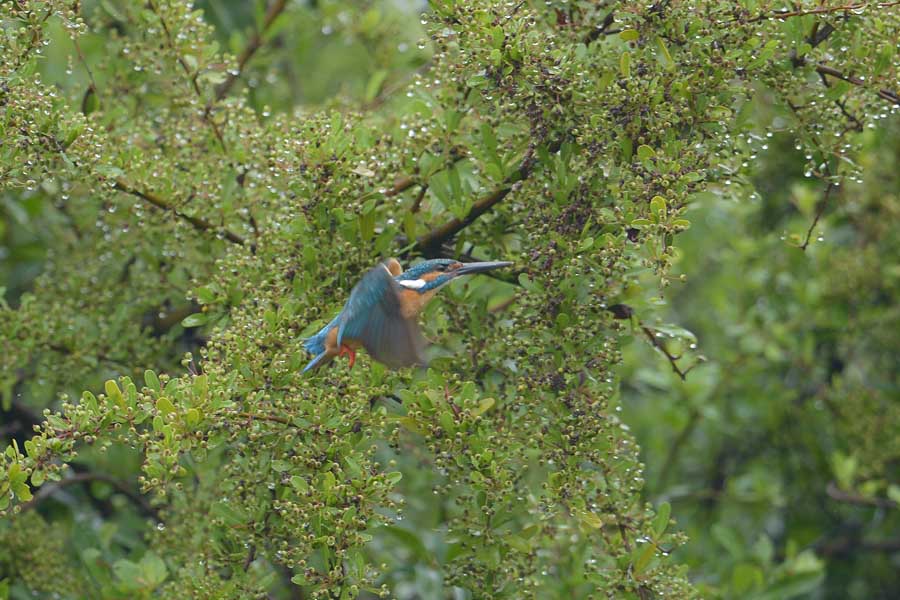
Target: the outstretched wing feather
(373, 317)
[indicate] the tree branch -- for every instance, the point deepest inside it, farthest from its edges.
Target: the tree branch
(886, 94)
(430, 243)
(822, 10)
(673, 360)
(255, 43)
(198, 223)
(836, 493)
(819, 210)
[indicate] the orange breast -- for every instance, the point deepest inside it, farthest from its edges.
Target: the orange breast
(412, 302)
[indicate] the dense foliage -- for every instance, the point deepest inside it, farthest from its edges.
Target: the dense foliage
(200, 187)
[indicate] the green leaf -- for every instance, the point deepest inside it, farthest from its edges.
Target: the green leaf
(37, 477)
(152, 381)
(194, 320)
(153, 571)
(642, 557)
(663, 55)
(114, 393)
(661, 521)
(625, 65)
(645, 152)
(299, 484)
(483, 406)
(373, 87)
(164, 406)
(629, 35)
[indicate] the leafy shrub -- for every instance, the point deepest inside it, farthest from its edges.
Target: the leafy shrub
(189, 209)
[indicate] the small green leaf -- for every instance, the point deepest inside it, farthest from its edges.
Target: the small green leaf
(299, 484)
(373, 87)
(152, 381)
(642, 558)
(625, 64)
(661, 521)
(658, 206)
(663, 55)
(192, 417)
(629, 35)
(194, 320)
(37, 477)
(90, 401)
(114, 393)
(164, 406)
(483, 406)
(645, 152)
(590, 519)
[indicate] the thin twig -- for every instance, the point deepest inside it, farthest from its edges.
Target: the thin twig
(417, 203)
(819, 11)
(255, 43)
(886, 94)
(819, 211)
(857, 124)
(836, 493)
(673, 360)
(196, 222)
(431, 242)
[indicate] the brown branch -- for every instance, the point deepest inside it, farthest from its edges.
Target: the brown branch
(836, 493)
(602, 29)
(86, 477)
(198, 223)
(401, 184)
(673, 360)
(819, 211)
(417, 203)
(822, 10)
(430, 243)
(255, 43)
(886, 94)
(857, 124)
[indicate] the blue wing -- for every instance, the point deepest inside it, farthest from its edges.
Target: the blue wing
(373, 316)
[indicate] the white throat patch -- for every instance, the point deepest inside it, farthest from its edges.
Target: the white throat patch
(413, 284)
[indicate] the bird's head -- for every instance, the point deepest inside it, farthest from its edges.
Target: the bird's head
(432, 274)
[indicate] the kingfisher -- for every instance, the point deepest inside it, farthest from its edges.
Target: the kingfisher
(380, 314)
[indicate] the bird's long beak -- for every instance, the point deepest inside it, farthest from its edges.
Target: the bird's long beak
(480, 267)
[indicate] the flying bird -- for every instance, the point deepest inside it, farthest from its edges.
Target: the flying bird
(380, 314)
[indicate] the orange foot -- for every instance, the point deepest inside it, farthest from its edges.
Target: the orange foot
(347, 350)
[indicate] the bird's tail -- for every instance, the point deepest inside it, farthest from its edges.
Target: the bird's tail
(315, 345)
(315, 362)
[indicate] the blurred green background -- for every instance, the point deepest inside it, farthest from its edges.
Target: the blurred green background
(779, 451)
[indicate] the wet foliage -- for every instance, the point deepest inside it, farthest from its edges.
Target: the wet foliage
(199, 187)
